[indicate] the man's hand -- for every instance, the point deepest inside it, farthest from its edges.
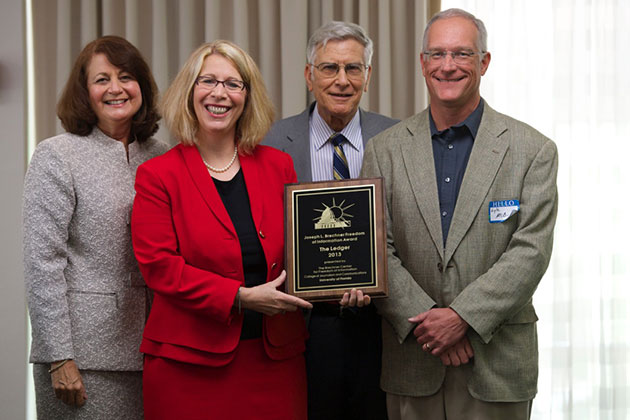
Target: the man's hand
(438, 329)
(459, 354)
(67, 383)
(355, 298)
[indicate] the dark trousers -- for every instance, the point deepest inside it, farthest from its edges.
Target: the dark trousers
(343, 364)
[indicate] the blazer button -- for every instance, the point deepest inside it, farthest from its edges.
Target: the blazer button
(262, 235)
(440, 267)
(273, 265)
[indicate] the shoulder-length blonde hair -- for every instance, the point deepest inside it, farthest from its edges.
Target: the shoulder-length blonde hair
(177, 107)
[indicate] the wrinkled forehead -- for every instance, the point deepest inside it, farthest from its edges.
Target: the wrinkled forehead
(452, 33)
(342, 50)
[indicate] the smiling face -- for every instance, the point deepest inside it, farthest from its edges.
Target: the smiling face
(337, 97)
(451, 85)
(115, 96)
(216, 108)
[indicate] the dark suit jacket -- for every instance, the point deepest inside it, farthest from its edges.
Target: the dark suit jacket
(487, 272)
(189, 254)
(292, 135)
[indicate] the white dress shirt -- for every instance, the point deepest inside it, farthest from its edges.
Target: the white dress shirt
(322, 150)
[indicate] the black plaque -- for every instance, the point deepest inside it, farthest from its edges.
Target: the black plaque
(335, 239)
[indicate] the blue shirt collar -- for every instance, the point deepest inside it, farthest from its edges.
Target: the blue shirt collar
(471, 122)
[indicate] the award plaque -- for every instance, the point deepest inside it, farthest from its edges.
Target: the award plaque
(335, 239)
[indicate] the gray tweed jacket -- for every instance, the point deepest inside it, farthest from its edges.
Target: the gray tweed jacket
(87, 300)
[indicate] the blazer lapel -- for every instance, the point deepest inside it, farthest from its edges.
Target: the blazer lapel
(255, 189)
(203, 181)
(298, 145)
(417, 155)
(485, 159)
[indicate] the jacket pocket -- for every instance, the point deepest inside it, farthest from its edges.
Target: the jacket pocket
(524, 316)
(94, 326)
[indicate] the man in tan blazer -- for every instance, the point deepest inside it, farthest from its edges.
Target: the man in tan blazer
(471, 203)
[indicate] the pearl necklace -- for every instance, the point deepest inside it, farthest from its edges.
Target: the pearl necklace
(224, 169)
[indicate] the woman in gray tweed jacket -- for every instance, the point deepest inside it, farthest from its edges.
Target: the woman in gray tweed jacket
(87, 300)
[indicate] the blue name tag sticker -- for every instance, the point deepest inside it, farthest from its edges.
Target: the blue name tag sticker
(500, 211)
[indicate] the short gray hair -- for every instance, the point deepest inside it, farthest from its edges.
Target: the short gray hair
(482, 34)
(338, 31)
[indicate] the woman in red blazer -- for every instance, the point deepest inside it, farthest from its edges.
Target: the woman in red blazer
(221, 341)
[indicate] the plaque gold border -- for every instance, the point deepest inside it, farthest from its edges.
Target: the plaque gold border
(378, 245)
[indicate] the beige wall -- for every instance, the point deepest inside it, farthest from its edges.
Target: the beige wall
(12, 166)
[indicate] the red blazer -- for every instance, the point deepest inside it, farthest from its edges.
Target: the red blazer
(190, 256)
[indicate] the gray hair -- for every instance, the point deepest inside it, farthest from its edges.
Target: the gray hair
(482, 34)
(338, 31)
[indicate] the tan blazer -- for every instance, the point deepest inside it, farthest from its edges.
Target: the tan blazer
(487, 272)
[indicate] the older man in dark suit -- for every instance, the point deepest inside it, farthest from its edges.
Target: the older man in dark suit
(344, 349)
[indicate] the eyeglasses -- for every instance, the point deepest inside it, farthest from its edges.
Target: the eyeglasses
(459, 57)
(353, 70)
(231, 85)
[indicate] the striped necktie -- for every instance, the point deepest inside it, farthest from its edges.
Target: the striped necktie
(340, 163)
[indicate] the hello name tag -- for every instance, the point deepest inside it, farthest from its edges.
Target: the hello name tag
(500, 211)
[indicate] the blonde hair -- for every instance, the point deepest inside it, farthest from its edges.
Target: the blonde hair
(177, 107)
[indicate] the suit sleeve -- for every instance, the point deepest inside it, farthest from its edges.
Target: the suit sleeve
(497, 295)
(406, 298)
(48, 207)
(165, 271)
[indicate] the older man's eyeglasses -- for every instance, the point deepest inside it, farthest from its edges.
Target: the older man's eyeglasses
(459, 57)
(353, 70)
(231, 85)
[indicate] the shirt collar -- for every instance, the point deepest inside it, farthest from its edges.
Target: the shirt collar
(471, 122)
(352, 131)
